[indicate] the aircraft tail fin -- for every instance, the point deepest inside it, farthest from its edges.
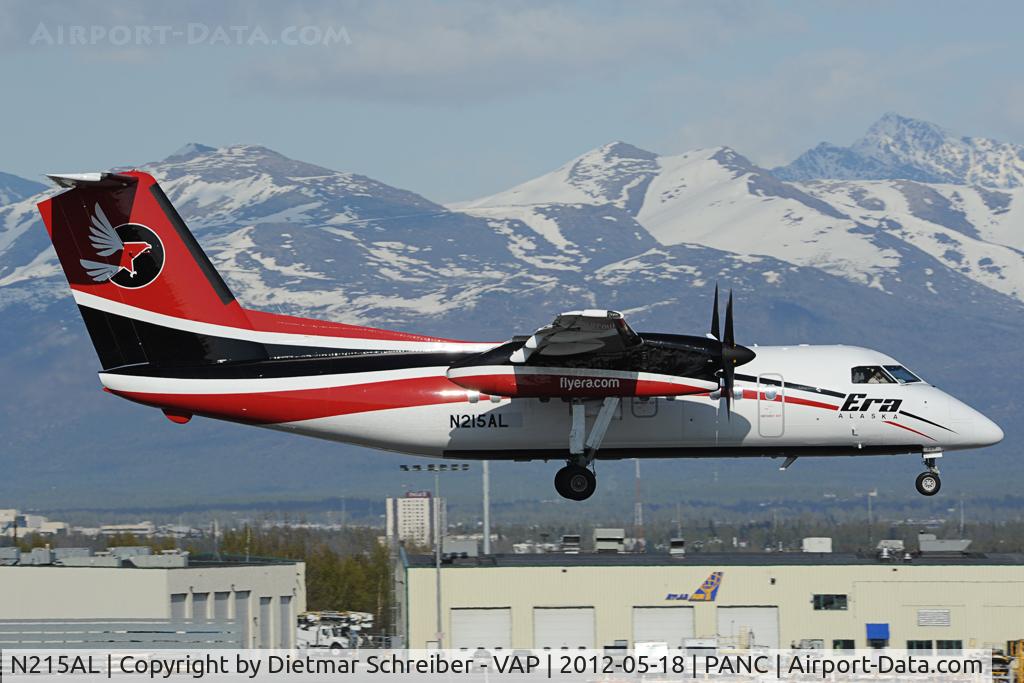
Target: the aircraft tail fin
(708, 590)
(145, 288)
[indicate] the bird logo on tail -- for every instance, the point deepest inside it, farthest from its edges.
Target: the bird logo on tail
(127, 242)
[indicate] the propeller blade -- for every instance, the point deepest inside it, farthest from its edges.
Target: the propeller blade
(728, 378)
(729, 339)
(714, 317)
(731, 355)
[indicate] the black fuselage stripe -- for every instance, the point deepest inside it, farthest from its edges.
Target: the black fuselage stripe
(790, 385)
(134, 347)
(829, 392)
(925, 420)
(351, 362)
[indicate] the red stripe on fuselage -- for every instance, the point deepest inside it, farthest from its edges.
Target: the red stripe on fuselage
(274, 322)
(562, 384)
(909, 429)
(808, 402)
(751, 393)
(307, 404)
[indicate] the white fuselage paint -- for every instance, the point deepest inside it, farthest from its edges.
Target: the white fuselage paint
(757, 426)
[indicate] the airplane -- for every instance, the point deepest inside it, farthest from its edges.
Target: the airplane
(587, 387)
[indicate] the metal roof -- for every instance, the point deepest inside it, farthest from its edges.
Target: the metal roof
(715, 560)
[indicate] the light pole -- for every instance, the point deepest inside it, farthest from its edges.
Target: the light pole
(437, 531)
(871, 530)
(487, 507)
(961, 515)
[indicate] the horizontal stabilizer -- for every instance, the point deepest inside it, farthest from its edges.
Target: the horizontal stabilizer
(98, 180)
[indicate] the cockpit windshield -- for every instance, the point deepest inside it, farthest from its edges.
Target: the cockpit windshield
(882, 374)
(902, 375)
(870, 374)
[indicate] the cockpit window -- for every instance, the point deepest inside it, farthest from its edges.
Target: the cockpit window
(871, 374)
(902, 375)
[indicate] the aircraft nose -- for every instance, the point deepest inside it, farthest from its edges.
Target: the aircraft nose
(974, 428)
(988, 433)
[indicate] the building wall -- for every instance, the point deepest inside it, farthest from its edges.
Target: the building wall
(253, 593)
(986, 603)
(83, 593)
(250, 593)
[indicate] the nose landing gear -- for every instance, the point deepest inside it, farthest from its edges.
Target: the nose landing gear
(928, 483)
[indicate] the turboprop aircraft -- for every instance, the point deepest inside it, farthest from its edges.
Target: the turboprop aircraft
(169, 334)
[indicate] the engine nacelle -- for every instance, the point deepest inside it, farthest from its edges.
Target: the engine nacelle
(552, 382)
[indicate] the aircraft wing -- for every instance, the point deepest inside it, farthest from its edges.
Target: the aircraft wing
(579, 332)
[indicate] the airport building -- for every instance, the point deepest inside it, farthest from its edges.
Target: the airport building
(410, 519)
(927, 601)
(131, 595)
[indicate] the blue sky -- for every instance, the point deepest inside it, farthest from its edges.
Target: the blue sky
(456, 100)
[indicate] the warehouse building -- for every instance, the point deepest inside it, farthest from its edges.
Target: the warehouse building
(925, 601)
(130, 589)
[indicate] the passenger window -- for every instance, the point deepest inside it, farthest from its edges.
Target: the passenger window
(870, 374)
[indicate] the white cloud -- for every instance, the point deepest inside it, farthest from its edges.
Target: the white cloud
(425, 50)
(471, 51)
(775, 113)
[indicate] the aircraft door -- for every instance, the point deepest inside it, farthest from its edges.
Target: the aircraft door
(771, 405)
(644, 421)
(644, 407)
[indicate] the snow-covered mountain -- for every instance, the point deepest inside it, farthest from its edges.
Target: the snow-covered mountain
(296, 237)
(617, 173)
(14, 188)
(883, 234)
(897, 147)
(922, 270)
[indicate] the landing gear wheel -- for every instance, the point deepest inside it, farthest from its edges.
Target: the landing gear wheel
(575, 482)
(928, 483)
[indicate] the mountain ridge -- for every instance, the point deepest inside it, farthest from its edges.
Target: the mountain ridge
(719, 198)
(901, 148)
(15, 188)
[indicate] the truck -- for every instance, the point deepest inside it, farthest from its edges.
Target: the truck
(332, 630)
(322, 635)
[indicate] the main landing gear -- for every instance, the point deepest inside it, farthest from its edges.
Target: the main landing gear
(928, 483)
(576, 481)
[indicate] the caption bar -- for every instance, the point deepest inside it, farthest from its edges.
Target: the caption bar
(484, 665)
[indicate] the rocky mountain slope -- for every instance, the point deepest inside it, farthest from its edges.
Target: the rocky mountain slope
(897, 147)
(14, 188)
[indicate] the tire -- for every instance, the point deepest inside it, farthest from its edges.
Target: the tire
(928, 483)
(560, 483)
(575, 483)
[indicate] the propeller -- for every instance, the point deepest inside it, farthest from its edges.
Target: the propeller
(714, 317)
(731, 353)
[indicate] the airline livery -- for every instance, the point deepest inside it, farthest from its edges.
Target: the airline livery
(169, 334)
